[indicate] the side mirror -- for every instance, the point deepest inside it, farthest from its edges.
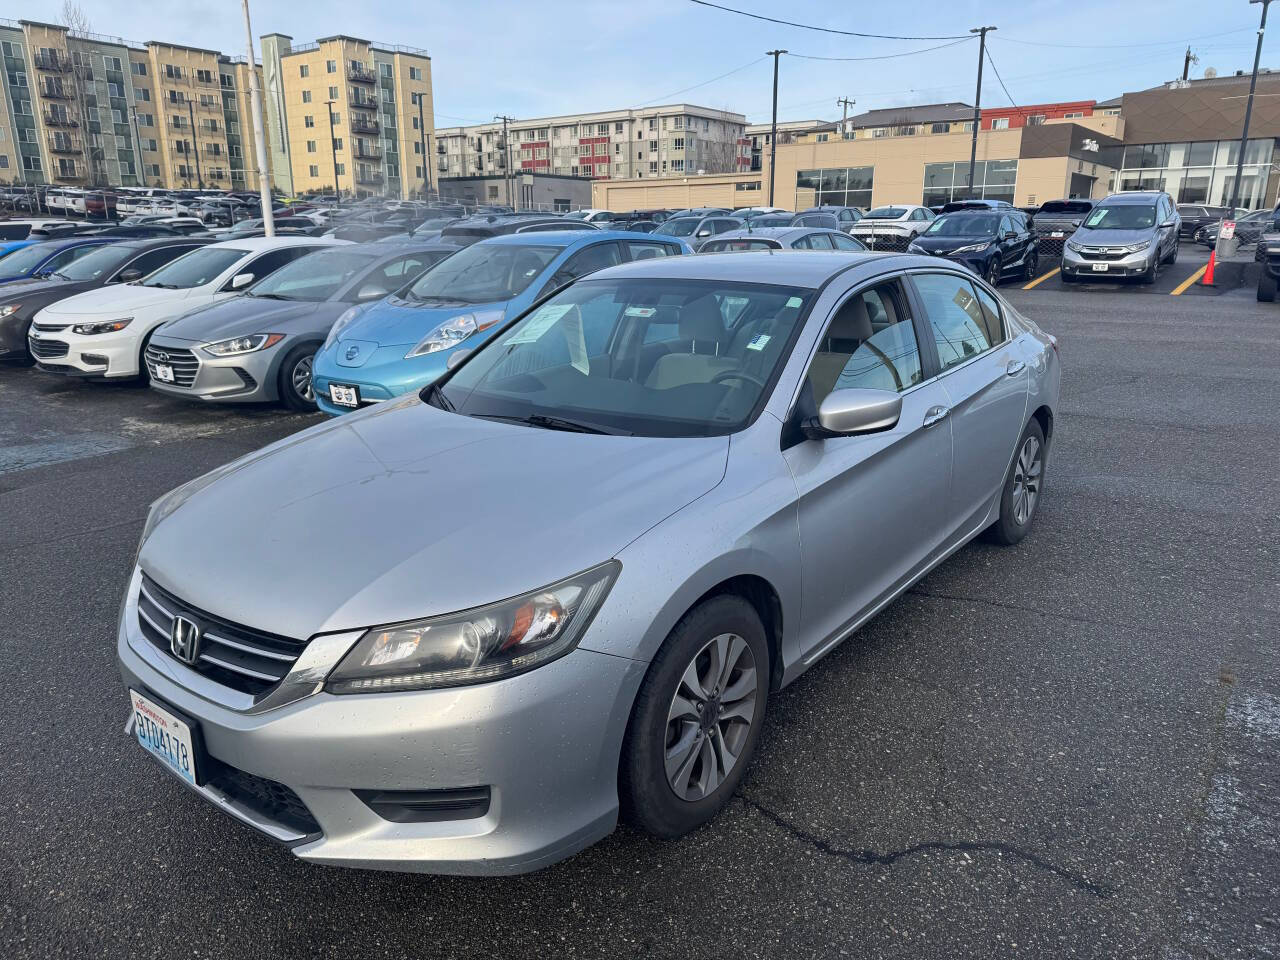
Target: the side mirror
(241, 280)
(703, 233)
(456, 358)
(1011, 234)
(371, 291)
(130, 275)
(857, 410)
(1167, 224)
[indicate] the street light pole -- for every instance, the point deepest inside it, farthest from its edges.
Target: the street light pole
(844, 120)
(977, 104)
(196, 144)
(1248, 112)
(259, 134)
(422, 140)
(507, 173)
(333, 152)
(773, 129)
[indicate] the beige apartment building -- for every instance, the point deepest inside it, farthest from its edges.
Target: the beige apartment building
(375, 98)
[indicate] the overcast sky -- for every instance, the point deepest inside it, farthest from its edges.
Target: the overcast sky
(559, 56)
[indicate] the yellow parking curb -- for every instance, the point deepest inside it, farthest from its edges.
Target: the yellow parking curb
(1043, 277)
(1182, 287)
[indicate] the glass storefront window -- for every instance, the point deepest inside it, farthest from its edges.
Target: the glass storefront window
(835, 186)
(1199, 172)
(992, 180)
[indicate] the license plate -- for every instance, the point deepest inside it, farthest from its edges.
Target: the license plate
(164, 372)
(1099, 268)
(343, 395)
(1056, 234)
(164, 736)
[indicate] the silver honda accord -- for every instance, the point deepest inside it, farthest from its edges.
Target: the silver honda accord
(466, 630)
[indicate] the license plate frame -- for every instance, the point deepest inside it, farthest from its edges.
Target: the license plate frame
(1056, 234)
(164, 372)
(1100, 268)
(344, 395)
(152, 720)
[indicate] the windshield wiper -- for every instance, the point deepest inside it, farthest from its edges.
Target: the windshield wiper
(267, 296)
(434, 395)
(557, 423)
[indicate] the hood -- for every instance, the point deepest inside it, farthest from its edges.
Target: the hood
(242, 316)
(394, 322)
(407, 511)
(121, 298)
(1113, 238)
(34, 287)
(947, 244)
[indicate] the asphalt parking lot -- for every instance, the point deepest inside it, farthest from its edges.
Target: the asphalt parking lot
(1067, 748)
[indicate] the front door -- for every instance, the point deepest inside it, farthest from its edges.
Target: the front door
(872, 508)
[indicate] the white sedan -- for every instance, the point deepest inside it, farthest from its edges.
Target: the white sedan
(892, 226)
(103, 332)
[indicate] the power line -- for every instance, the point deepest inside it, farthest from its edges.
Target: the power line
(887, 56)
(1119, 46)
(806, 26)
(668, 96)
(996, 71)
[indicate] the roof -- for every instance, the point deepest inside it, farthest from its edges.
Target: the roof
(924, 113)
(270, 243)
(797, 268)
(1133, 196)
(558, 238)
(770, 233)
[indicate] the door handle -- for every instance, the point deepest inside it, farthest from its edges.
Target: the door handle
(1015, 367)
(935, 415)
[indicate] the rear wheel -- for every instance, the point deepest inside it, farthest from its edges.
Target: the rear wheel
(1020, 498)
(296, 389)
(1173, 254)
(1266, 287)
(696, 719)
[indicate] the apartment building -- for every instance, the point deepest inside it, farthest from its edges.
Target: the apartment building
(374, 99)
(91, 110)
(632, 143)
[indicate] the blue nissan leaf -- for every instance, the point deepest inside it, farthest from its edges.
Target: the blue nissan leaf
(381, 350)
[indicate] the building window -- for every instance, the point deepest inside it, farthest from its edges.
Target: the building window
(313, 170)
(992, 180)
(306, 96)
(1076, 115)
(1000, 123)
(617, 127)
(311, 146)
(172, 72)
(415, 73)
(677, 166)
(823, 137)
(308, 121)
(337, 143)
(304, 70)
(653, 166)
(331, 66)
(1035, 120)
(751, 185)
(839, 187)
(138, 68)
(940, 128)
(385, 70)
(143, 94)
(333, 93)
(204, 76)
(879, 132)
(340, 169)
(1199, 172)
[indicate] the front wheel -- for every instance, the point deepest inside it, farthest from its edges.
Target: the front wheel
(1173, 254)
(1266, 287)
(994, 271)
(1153, 271)
(296, 389)
(1032, 265)
(696, 719)
(1023, 486)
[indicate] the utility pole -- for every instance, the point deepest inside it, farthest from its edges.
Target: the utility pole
(333, 152)
(507, 173)
(773, 128)
(195, 143)
(259, 135)
(142, 177)
(422, 140)
(977, 104)
(1248, 112)
(1187, 61)
(846, 103)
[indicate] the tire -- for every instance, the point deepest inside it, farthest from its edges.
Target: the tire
(1031, 266)
(296, 365)
(1018, 514)
(1173, 254)
(144, 374)
(1266, 287)
(1153, 272)
(1066, 277)
(658, 726)
(995, 270)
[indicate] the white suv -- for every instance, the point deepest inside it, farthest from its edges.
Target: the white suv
(103, 332)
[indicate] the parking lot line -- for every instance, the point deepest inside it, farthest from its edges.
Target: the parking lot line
(1181, 288)
(1043, 277)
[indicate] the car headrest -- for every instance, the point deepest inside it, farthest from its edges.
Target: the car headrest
(852, 322)
(701, 322)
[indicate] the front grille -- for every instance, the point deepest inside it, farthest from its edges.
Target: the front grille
(1102, 253)
(47, 349)
(184, 362)
(273, 800)
(49, 327)
(884, 241)
(234, 656)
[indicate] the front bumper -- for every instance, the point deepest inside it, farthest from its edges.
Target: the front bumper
(1129, 265)
(248, 378)
(546, 744)
(108, 356)
(384, 376)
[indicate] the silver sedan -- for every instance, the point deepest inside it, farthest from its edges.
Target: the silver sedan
(561, 584)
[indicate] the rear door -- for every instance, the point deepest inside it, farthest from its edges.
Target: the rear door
(985, 380)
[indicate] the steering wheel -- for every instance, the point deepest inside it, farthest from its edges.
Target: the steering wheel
(738, 375)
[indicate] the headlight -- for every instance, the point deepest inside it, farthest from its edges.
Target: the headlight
(1138, 247)
(914, 248)
(9, 309)
(104, 326)
(239, 345)
(477, 645)
(453, 332)
(1072, 245)
(342, 323)
(973, 247)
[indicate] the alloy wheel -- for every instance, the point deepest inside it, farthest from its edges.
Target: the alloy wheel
(300, 377)
(710, 717)
(993, 271)
(1026, 480)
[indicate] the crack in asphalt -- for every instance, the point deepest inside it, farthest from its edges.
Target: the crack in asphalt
(867, 856)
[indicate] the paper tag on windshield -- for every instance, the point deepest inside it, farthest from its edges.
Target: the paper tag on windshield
(794, 302)
(644, 312)
(759, 341)
(576, 342)
(538, 324)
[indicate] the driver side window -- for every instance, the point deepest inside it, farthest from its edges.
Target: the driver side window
(869, 343)
(583, 262)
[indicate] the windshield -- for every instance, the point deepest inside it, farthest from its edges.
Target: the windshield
(886, 213)
(428, 226)
(194, 269)
(1064, 206)
(655, 357)
(24, 260)
(1122, 216)
(484, 273)
(949, 225)
(771, 220)
(93, 265)
(313, 277)
(578, 215)
(681, 226)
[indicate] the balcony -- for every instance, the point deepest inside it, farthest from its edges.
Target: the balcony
(56, 92)
(65, 145)
(67, 174)
(369, 178)
(366, 152)
(361, 75)
(52, 62)
(362, 102)
(59, 119)
(361, 125)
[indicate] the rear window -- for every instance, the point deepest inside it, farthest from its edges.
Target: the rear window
(1065, 206)
(724, 246)
(886, 213)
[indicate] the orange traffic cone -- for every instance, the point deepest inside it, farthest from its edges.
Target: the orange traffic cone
(1207, 279)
